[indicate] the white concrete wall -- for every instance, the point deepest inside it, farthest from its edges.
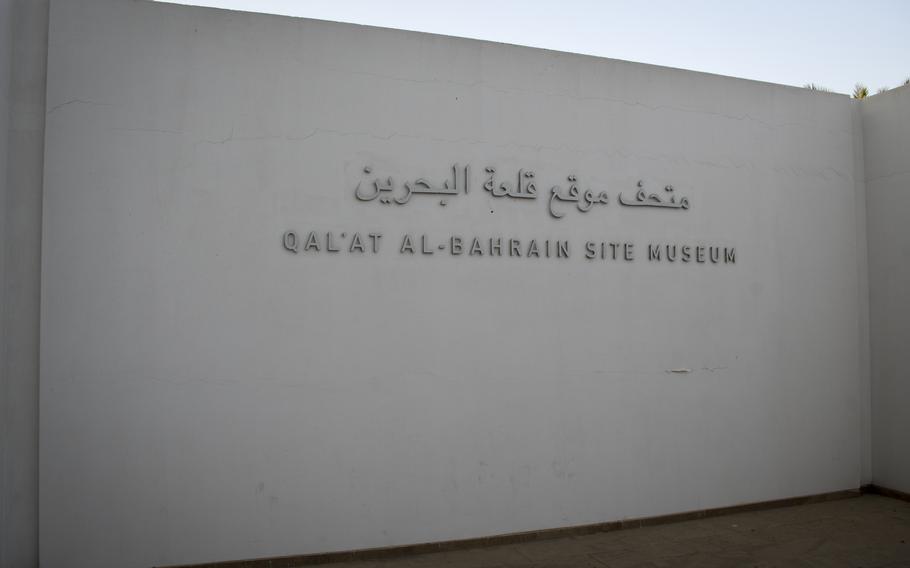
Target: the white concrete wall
(23, 53)
(886, 138)
(207, 395)
(6, 58)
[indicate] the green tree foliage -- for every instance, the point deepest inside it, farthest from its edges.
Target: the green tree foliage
(859, 92)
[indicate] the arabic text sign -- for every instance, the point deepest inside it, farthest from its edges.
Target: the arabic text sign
(522, 185)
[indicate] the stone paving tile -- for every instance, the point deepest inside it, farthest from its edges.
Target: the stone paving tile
(865, 532)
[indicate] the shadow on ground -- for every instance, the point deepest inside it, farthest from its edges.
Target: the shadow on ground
(864, 532)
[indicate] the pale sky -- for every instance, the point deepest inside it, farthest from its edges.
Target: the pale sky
(832, 43)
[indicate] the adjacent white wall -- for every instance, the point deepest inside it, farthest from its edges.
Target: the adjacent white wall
(206, 395)
(23, 53)
(886, 138)
(6, 59)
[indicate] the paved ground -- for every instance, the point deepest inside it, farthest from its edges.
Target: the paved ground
(868, 532)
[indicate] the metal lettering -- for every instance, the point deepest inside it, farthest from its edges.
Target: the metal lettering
(291, 242)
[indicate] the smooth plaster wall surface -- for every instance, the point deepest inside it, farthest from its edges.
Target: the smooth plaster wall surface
(207, 395)
(23, 55)
(6, 58)
(886, 139)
